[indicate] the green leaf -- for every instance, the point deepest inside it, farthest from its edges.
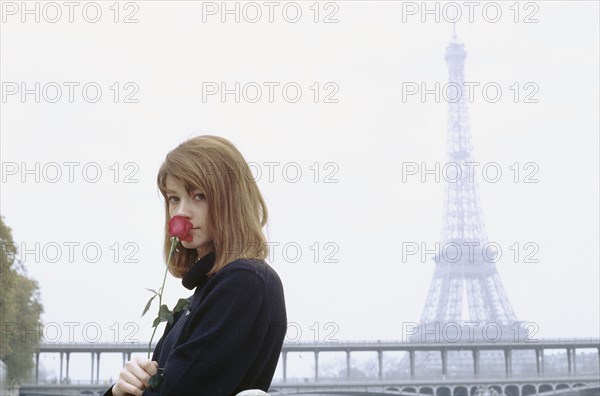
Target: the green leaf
(170, 319)
(164, 315)
(155, 381)
(147, 307)
(153, 291)
(182, 304)
(164, 310)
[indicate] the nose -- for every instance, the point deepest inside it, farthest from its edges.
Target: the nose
(183, 209)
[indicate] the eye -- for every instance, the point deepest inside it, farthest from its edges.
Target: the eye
(200, 196)
(172, 199)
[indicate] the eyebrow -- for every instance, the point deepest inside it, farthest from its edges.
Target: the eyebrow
(189, 192)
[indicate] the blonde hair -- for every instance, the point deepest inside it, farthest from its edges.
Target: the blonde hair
(236, 209)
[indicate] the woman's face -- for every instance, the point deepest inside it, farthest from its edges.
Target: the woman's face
(193, 207)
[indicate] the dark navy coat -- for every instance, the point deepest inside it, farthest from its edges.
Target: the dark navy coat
(230, 338)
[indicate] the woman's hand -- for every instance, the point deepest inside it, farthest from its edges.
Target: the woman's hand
(133, 378)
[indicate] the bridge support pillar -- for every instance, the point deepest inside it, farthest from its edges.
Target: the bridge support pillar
(411, 357)
(284, 357)
(444, 363)
(508, 362)
(348, 364)
(124, 358)
(60, 378)
(569, 357)
(539, 361)
(316, 366)
(60, 370)
(67, 376)
(98, 367)
(476, 362)
(37, 367)
(92, 375)
(380, 359)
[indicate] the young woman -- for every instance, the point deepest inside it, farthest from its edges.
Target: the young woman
(230, 337)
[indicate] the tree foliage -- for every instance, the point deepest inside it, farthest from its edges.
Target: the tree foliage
(20, 310)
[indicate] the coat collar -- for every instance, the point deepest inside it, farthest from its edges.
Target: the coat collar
(196, 275)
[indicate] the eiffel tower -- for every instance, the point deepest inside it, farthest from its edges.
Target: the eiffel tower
(466, 299)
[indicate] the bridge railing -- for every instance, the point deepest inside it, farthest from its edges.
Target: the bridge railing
(474, 357)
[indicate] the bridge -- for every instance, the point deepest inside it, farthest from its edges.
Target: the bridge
(572, 381)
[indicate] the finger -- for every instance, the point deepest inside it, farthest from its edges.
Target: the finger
(153, 369)
(148, 365)
(140, 374)
(116, 390)
(123, 388)
(130, 379)
(132, 390)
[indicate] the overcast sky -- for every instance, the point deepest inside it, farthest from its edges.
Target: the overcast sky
(356, 210)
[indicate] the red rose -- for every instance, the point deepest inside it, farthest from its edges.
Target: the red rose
(179, 227)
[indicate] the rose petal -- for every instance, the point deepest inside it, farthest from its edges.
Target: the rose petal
(180, 227)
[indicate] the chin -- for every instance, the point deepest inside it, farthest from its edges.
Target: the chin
(190, 245)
